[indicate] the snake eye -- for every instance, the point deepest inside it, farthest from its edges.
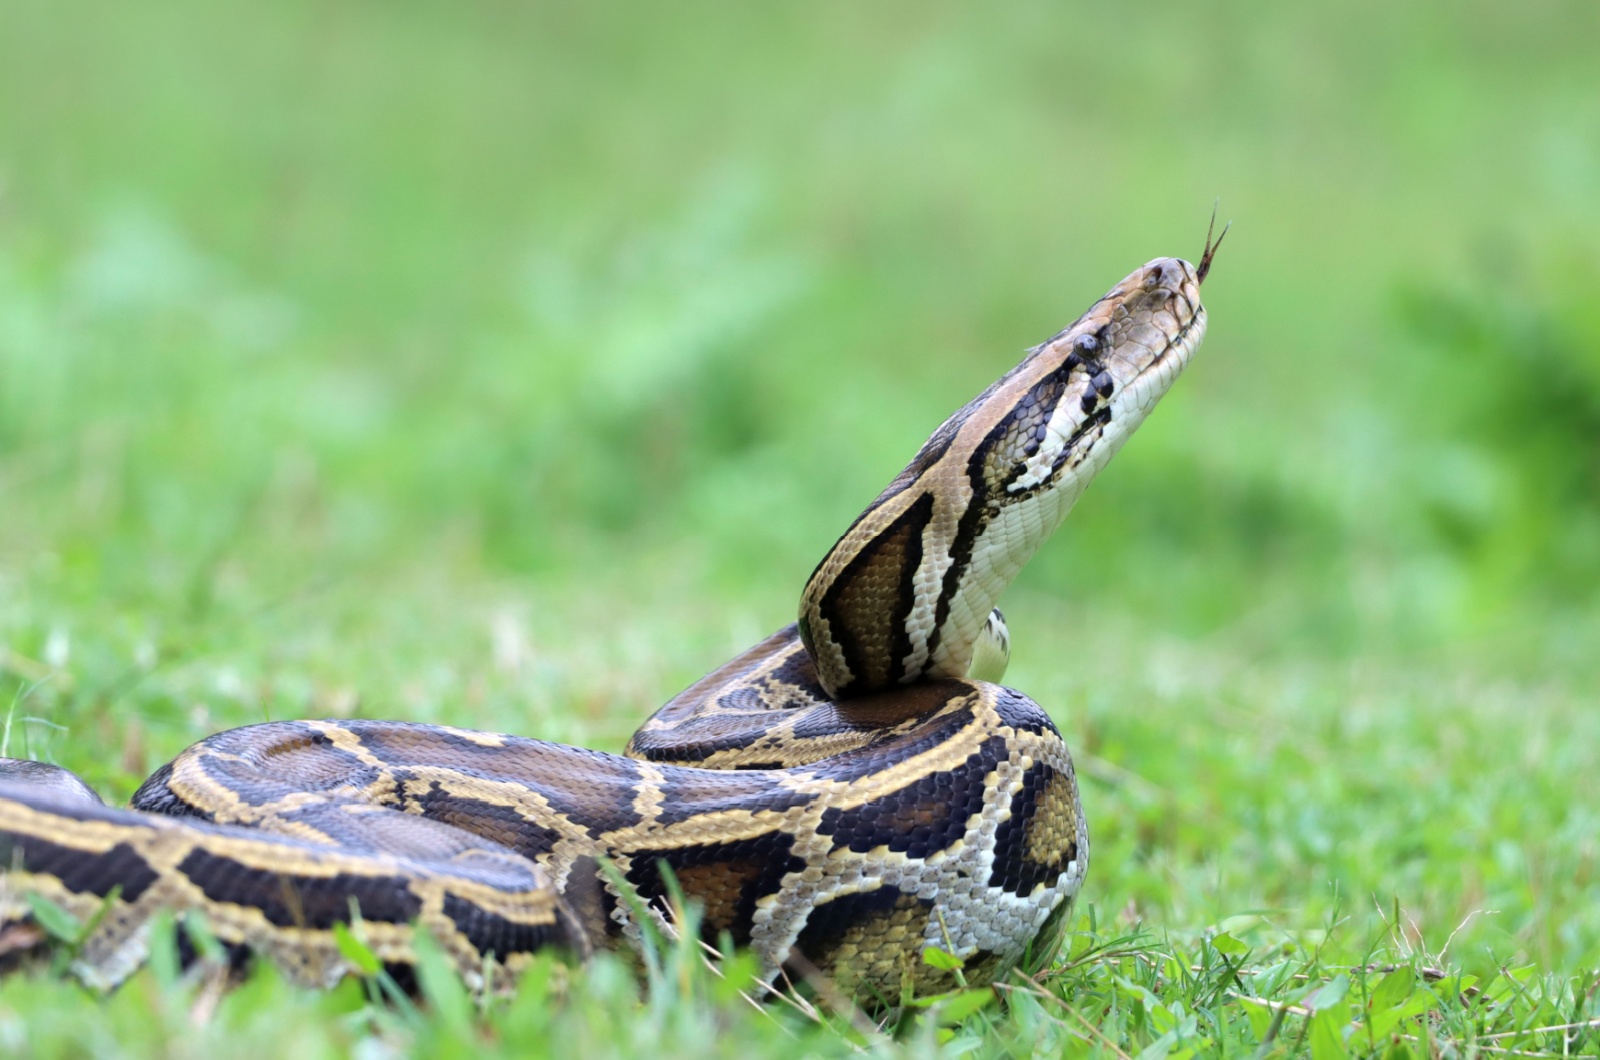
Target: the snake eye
(1086, 344)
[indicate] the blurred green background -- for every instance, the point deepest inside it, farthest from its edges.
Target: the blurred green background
(513, 365)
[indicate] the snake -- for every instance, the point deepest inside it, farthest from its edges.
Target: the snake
(838, 800)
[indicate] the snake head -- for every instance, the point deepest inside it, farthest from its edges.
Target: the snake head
(1069, 406)
(904, 595)
(1143, 331)
(1134, 343)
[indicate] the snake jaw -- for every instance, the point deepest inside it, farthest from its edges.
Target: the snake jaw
(1154, 330)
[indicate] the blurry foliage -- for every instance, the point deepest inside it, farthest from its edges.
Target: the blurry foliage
(1513, 378)
(517, 292)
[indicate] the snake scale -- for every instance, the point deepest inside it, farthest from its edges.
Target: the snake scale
(838, 798)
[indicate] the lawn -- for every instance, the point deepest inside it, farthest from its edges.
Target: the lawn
(512, 367)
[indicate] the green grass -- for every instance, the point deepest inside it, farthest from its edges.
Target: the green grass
(512, 367)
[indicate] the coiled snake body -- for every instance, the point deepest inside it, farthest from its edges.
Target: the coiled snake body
(837, 799)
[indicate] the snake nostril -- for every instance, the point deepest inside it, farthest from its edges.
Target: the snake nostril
(1168, 274)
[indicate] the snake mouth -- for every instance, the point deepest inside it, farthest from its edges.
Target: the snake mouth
(1181, 336)
(1182, 341)
(1146, 384)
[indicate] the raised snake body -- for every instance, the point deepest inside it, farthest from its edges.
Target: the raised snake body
(837, 799)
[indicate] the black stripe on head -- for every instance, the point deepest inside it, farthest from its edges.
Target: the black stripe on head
(1040, 840)
(728, 879)
(935, 448)
(1021, 432)
(1095, 423)
(80, 871)
(292, 900)
(922, 818)
(867, 603)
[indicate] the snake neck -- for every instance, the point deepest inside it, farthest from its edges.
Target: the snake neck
(904, 595)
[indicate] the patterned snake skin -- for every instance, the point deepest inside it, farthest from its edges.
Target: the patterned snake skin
(837, 799)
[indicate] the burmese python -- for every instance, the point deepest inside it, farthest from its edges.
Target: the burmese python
(837, 799)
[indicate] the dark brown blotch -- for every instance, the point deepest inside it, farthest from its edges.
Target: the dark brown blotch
(491, 933)
(1037, 843)
(866, 605)
(728, 879)
(290, 899)
(867, 942)
(922, 818)
(78, 870)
